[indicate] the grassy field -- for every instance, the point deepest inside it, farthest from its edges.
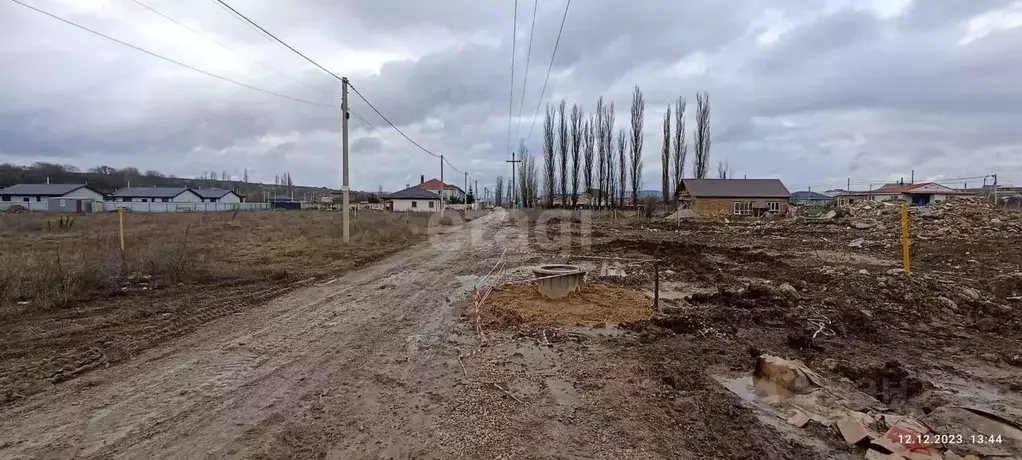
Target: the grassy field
(70, 300)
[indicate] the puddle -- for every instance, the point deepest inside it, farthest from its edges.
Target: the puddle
(562, 392)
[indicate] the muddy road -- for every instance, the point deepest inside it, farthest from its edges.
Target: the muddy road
(359, 366)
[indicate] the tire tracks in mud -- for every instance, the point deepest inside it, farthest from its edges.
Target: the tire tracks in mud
(297, 376)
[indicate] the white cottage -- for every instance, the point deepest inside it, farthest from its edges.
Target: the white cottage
(42, 192)
(412, 199)
(156, 195)
(219, 195)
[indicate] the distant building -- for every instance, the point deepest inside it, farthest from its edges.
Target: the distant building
(810, 198)
(219, 195)
(914, 194)
(156, 195)
(412, 199)
(435, 186)
(42, 192)
(744, 197)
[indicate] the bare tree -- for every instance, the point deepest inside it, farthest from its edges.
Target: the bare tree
(622, 163)
(600, 147)
(680, 147)
(638, 114)
(562, 136)
(533, 182)
(549, 161)
(588, 134)
(724, 170)
(498, 192)
(665, 158)
(245, 176)
(576, 148)
(608, 148)
(702, 135)
(523, 176)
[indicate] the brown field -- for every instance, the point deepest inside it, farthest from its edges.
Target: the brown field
(67, 291)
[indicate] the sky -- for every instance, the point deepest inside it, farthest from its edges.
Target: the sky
(814, 92)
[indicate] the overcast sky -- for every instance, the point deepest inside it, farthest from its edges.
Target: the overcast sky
(809, 91)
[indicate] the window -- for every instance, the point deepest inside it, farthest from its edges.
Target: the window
(6, 198)
(25, 199)
(743, 208)
(415, 204)
(126, 199)
(166, 200)
(774, 206)
(63, 203)
(38, 199)
(144, 200)
(431, 204)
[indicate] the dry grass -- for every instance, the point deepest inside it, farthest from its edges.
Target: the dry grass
(43, 264)
(595, 303)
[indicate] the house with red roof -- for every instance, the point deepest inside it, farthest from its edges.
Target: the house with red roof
(446, 190)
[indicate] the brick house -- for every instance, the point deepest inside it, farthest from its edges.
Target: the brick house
(743, 197)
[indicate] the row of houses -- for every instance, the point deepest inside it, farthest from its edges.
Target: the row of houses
(83, 198)
(39, 192)
(920, 194)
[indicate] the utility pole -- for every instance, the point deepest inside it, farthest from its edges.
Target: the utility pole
(514, 195)
(442, 186)
(466, 188)
(346, 233)
(848, 185)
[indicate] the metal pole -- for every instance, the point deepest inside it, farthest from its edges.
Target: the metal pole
(906, 260)
(442, 185)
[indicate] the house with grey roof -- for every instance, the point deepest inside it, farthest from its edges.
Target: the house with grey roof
(42, 192)
(413, 199)
(219, 195)
(156, 195)
(739, 197)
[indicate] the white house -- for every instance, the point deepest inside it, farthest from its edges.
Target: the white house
(43, 192)
(412, 199)
(156, 195)
(915, 194)
(219, 195)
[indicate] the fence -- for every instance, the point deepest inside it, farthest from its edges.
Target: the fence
(185, 207)
(29, 205)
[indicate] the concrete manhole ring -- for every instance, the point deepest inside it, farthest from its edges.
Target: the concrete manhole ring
(555, 281)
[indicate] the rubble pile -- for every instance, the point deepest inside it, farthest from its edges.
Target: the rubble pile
(960, 216)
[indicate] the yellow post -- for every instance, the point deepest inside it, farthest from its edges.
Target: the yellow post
(905, 258)
(120, 218)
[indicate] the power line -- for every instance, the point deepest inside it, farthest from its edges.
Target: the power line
(172, 61)
(547, 79)
(282, 42)
(511, 98)
(215, 42)
(392, 125)
(528, 58)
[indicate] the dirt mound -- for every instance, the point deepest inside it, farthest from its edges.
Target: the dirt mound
(595, 303)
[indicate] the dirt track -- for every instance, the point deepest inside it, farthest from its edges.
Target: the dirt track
(359, 366)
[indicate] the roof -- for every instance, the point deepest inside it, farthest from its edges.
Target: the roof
(42, 189)
(435, 184)
(735, 188)
(147, 192)
(412, 193)
(895, 189)
(213, 192)
(810, 195)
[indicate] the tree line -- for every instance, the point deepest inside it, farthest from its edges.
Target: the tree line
(582, 156)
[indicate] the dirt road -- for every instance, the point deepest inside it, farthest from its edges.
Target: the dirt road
(361, 366)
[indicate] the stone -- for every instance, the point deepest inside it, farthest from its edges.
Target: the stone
(863, 224)
(788, 291)
(950, 304)
(857, 243)
(970, 293)
(829, 364)
(864, 272)
(896, 271)
(992, 357)
(995, 221)
(830, 214)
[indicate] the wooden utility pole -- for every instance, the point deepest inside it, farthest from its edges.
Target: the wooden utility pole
(514, 195)
(346, 232)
